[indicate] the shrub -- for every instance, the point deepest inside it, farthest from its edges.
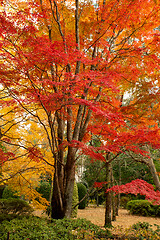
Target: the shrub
(139, 230)
(26, 228)
(143, 230)
(63, 229)
(82, 190)
(44, 189)
(34, 228)
(9, 193)
(1, 190)
(124, 200)
(142, 207)
(157, 210)
(9, 217)
(15, 206)
(141, 225)
(75, 200)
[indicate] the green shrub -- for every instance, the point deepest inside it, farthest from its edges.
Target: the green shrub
(15, 206)
(138, 231)
(27, 228)
(44, 189)
(124, 200)
(82, 190)
(75, 200)
(9, 193)
(144, 231)
(9, 217)
(157, 210)
(142, 207)
(141, 225)
(34, 228)
(1, 190)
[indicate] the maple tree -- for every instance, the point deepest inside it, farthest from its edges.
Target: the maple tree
(138, 186)
(17, 169)
(65, 68)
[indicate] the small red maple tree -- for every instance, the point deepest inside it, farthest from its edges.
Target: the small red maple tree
(138, 186)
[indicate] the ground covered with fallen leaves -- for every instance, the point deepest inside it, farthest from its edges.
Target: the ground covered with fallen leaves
(97, 216)
(122, 226)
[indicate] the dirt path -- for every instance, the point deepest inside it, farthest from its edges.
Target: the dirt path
(125, 220)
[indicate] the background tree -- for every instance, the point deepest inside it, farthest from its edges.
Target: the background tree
(127, 169)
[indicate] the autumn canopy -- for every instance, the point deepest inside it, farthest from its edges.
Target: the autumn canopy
(68, 71)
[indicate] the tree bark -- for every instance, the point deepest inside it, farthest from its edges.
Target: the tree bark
(154, 174)
(118, 195)
(69, 185)
(149, 162)
(152, 168)
(113, 207)
(113, 198)
(108, 195)
(57, 208)
(61, 202)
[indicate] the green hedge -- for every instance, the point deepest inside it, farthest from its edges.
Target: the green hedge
(75, 200)
(14, 206)
(143, 208)
(82, 190)
(44, 189)
(9, 193)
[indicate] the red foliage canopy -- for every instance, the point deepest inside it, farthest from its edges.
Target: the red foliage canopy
(138, 186)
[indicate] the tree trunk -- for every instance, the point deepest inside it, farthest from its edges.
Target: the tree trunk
(154, 174)
(118, 195)
(117, 203)
(63, 185)
(57, 208)
(149, 162)
(113, 197)
(113, 207)
(68, 194)
(151, 166)
(108, 209)
(108, 196)
(61, 202)
(97, 198)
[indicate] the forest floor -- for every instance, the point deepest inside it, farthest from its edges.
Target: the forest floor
(97, 215)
